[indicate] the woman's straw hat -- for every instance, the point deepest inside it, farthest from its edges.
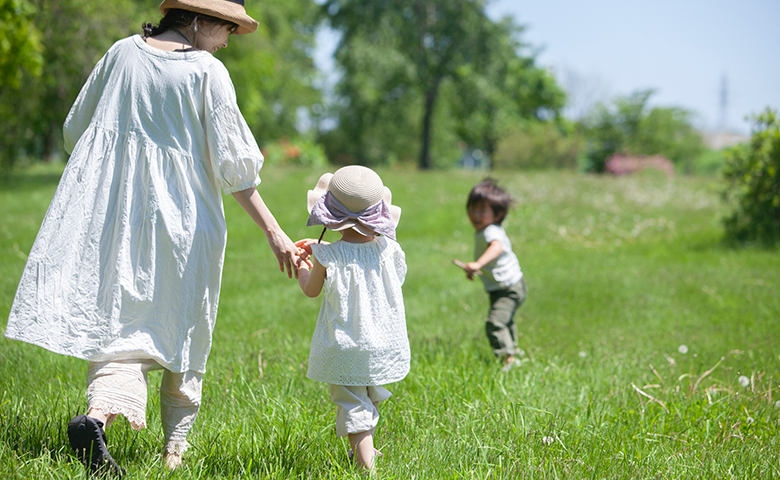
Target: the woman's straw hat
(359, 190)
(230, 10)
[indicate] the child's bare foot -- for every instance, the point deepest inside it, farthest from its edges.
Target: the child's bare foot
(172, 460)
(510, 362)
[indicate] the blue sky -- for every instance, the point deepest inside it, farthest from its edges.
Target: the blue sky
(683, 49)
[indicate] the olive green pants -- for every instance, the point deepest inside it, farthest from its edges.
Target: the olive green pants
(500, 324)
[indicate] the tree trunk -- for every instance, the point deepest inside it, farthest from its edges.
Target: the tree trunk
(430, 101)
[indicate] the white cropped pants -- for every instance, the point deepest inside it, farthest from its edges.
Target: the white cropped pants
(120, 388)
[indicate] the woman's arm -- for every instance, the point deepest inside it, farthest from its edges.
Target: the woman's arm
(284, 249)
(311, 282)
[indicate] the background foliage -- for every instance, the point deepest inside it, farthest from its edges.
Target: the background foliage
(752, 174)
(419, 82)
(411, 65)
(272, 69)
(629, 126)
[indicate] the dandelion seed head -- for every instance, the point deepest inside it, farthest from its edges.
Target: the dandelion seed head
(548, 440)
(583, 354)
(777, 404)
(744, 381)
(683, 349)
(749, 420)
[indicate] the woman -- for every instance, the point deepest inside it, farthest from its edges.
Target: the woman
(126, 269)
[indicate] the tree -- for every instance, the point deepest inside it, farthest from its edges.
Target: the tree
(272, 69)
(421, 47)
(627, 127)
(752, 173)
(502, 90)
(74, 35)
(20, 45)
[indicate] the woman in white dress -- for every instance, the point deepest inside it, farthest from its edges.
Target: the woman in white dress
(125, 271)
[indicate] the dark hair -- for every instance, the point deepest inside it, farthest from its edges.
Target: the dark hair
(488, 191)
(178, 18)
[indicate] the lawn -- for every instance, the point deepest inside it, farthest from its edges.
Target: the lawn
(652, 349)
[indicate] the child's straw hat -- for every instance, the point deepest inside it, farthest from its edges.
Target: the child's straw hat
(230, 10)
(353, 197)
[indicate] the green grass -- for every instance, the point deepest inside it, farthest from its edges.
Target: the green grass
(621, 272)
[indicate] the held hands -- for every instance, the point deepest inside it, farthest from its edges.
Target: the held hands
(304, 247)
(287, 254)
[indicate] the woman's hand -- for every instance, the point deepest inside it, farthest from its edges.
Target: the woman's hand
(286, 252)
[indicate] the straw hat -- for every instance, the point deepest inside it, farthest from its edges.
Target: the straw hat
(230, 10)
(359, 190)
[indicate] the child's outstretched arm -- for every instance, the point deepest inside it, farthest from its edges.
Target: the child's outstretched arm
(311, 281)
(475, 267)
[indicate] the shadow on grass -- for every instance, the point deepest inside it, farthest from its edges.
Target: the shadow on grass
(24, 181)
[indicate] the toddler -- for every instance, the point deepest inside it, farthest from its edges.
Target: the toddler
(360, 341)
(498, 267)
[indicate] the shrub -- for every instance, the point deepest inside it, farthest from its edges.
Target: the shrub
(537, 146)
(752, 173)
(301, 153)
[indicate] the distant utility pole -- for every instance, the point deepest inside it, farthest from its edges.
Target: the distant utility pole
(724, 103)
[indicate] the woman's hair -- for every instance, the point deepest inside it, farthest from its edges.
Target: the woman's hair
(178, 18)
(488, 191)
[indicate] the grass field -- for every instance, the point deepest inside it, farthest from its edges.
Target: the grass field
(652, 350)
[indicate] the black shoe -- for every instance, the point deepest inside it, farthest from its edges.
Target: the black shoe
(88, 439)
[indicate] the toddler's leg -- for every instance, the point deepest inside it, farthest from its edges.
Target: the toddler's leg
(180, 397)
(357, 416)
(363, 445)
(499, 325)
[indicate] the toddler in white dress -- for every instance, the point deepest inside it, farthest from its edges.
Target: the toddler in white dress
(360, 341)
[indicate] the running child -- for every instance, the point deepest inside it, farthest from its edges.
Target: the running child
(497, 265)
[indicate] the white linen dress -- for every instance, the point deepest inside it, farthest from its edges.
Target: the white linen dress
(360, 338)
(128, 261)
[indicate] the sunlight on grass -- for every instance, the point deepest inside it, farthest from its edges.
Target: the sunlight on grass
(651, 348)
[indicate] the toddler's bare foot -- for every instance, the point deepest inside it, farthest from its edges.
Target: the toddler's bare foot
(172, 460)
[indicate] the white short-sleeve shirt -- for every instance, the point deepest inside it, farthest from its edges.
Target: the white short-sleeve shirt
(504, 271)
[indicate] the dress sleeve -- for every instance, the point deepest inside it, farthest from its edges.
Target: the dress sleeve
(80, 114)
(322, 254)
(233, 152)
(399, 257)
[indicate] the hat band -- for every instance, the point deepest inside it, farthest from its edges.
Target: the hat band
(240, 2)
(331, 213)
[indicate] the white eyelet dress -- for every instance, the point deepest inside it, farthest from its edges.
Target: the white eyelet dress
(360, 338)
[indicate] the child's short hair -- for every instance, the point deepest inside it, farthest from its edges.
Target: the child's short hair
(488, 191)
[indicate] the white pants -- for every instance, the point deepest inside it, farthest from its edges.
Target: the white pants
(120, 388)
(356, 407)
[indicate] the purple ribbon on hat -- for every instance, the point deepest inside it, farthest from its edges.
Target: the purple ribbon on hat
(331, 213)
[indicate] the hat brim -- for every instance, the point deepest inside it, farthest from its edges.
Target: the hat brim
(321, 188)
(222, 9)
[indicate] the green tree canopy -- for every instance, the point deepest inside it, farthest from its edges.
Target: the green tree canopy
(20, 45)
(272, 68)
(401, 56)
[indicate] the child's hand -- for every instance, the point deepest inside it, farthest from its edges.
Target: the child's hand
(304, 245)
(471, 268)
